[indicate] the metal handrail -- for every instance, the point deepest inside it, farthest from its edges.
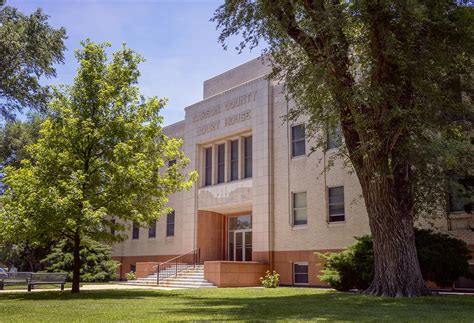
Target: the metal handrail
(177, 264)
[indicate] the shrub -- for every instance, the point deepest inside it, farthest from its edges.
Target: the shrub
(271, 279)
(97, 264)
(442, 258)
(131, 276)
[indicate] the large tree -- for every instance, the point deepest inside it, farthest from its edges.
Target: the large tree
(391, 74)
(101, 155)
(29, 48)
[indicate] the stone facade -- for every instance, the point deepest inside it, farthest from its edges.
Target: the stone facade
(238, 104)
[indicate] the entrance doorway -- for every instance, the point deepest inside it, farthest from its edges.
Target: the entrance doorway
(240, 238)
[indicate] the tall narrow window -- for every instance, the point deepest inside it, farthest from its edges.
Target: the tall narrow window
(234, 160)
(221, 163)
(170, 224)
(208, 170)
(334, 137)
(299, 209)
(300, 273)
(152, 229)
(248, 157)
(336, 204)
(135, 231)
(298, 143)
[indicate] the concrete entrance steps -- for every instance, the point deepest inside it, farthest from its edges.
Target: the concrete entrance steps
(189, 278)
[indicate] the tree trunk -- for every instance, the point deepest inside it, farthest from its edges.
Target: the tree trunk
(389, 205)
(77, 264)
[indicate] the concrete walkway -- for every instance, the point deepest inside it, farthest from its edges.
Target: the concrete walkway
(91, 287)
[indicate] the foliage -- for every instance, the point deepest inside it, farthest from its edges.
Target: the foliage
(15, 136)
(350, 268)
(29, 48)
(397, 78)
(25, 256)
(442, 258)
(101, 154)
(271, 279)
(131, 276)
(96, 262)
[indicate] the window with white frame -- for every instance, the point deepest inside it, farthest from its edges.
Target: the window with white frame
(208, 166)
(300, 273)
(336, 204)
(234, 160)
(299, 209)
(152, 229)
(221, 163)
(170, 218)
(248, 157)
(334, 137)
(298, 141)
(135, 231)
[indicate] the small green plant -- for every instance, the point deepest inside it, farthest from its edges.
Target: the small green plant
(271, 279)
(131, 276)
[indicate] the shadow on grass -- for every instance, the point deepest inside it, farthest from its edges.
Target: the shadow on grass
(278, 304)
(66, 295)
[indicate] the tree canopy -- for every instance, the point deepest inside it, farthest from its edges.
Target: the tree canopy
(29, 48)
(101, 155)
(397, 78)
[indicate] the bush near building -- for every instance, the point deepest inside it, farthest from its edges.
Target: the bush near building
(97, 264)
(442, 258)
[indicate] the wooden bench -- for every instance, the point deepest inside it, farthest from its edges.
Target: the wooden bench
(14, 278)
(47, 279)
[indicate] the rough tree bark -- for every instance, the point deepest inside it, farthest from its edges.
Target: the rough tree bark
(390, 209)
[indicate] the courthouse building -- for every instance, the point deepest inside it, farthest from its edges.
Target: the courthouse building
(261, 201)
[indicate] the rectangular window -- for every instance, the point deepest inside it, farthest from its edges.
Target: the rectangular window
(208, 170)
(299, 209)
(248, 157)
(221, 163)
(152, 229)
(300, 273)
(334, 137)
(298, 142)
(234, 160)
(460, 193)
(170, 224)
(133, 267)
(135, 231)
(336, 204)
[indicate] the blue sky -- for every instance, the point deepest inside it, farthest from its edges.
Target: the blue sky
(176, 38)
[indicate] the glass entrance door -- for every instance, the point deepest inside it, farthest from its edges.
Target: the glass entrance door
(240, 238)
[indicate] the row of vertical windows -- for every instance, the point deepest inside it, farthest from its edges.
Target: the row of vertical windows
(170, 219)
(335, 206)
(220, 163)
(298, 139)
(233, 161)
(208, 167)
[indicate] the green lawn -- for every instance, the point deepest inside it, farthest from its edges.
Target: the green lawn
(229, 304)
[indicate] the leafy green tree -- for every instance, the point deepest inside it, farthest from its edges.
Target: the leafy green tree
(397, 78)
(25, 255)
(15, 136)
(101, 154)
(442, 258)
(96, 262)
(29, 48)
